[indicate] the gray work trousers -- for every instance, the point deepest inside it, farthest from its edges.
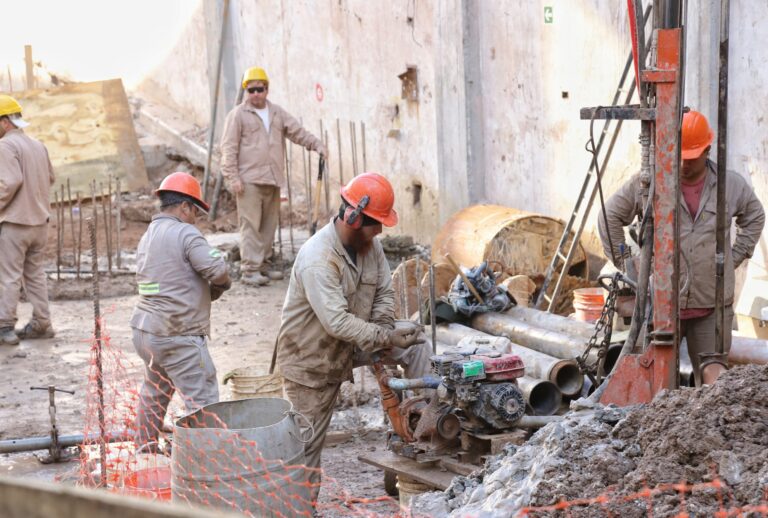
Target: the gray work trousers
(22, 259)
(316, 404)
(172, 364)
(258, 208)
(700, 335)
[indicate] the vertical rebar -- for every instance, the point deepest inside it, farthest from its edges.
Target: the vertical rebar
(70, 203)
(92, 227)
(338, 158)
(418, 289)
(353, 146)
(362, 140)
(106, 226)
(110, 225)
(288, 172)
(79, 233)
(280, 230)
(432, 319)
(403, 291)
(118, 221)
(308, 186)
(58, 235)
(326, 183)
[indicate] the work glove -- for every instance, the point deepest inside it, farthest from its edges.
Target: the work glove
(405, 337)
(217, 290)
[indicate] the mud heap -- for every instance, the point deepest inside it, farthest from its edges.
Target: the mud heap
(695, 436)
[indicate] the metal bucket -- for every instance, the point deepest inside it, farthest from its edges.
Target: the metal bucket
(408, 488)
(245, 455)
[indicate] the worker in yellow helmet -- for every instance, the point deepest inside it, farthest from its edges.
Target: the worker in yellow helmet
(252, 162)
(26, 176)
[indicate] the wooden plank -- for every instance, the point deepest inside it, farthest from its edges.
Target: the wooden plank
(29, 66)
(429, 474)
(88, 130)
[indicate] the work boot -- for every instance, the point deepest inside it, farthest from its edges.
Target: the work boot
(8, 336)
(34, 330)
(275, 275)
(255, 279)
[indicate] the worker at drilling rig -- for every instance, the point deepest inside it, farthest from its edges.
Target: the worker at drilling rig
(178, 275)
(252, 162)
(26, 176)
(339, 311)
(698, 184)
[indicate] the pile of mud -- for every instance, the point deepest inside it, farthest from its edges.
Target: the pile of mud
(690, 436)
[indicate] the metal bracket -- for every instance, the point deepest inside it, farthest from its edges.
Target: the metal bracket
(55, 452)
(627, 112)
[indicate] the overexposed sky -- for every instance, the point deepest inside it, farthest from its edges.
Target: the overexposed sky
(90, 40)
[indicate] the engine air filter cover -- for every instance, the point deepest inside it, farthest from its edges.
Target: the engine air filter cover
(504, 367)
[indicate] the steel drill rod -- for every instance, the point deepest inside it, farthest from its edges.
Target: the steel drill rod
(418, 289)
(362, 140)
(537, 421)
(402, 290)
(92, 228)
(280, 231)
(338, 158)
(79, 233)
(288, 173)
(353, 145)
(65, 441)
(432, 316)
(118, 221)
(542, 396)
(563, 373)
(106, 226)
(307, 187)
(58, 236)
(70, 204)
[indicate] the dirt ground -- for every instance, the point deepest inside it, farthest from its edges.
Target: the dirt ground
(244, 326)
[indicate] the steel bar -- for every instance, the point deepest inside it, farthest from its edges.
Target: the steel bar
(70, 204)
(215, 99)
(118, 221)
(307, 186)
(106, 226)
(280, 232)
(418, 289)
(353, 145)
(79, 233)
(403, 291)
(432, 317)
(87, 273)
(362, 140)
(327, 181)
(288, 173)
(110, 223)
(339, 158)
(58, 236)
(563, 373)
(542, 396)
(65, 441)
(537, 421)
(92, 228)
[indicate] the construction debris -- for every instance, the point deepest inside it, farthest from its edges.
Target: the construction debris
(689, 436)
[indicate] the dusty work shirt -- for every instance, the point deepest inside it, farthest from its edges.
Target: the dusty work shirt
(253, 153)
(332, 307)
(26, 176)
(173, 268)
(697, 233)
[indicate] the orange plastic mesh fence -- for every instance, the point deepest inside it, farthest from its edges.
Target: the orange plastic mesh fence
(212, 463)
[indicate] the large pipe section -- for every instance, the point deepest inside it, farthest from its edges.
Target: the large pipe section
(551, 322)
(537, 421)
(65, 441)
(541, 395)
(563, 373)
(746, 350)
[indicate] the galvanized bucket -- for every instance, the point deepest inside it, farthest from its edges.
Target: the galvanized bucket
(245, 455)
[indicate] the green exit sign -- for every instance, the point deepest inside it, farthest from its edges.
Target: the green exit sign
(548, 14)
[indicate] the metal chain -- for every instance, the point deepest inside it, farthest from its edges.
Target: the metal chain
(603, 325)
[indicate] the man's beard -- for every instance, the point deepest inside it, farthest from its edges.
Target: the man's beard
(361, 246)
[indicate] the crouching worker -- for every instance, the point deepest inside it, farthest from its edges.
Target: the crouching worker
(178, 274)
(340, 308)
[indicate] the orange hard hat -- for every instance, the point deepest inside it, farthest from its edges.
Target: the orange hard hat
(696, 135)
(184, 183)
(380, 193)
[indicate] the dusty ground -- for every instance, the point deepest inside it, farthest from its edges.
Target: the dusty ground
(244, 326)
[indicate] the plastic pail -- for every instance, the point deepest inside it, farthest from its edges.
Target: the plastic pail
(588, 303)
(254, 381)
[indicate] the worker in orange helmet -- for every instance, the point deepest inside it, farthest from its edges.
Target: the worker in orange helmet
(339, 309)
(697, 216)
(178, 275)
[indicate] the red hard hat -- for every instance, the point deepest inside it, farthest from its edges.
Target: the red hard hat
(184, 183)
(380, 193)
(696, 135)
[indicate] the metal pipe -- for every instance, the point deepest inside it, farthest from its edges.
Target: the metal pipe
(118, 217)
(563, 373)
(432, 317)
(338, 139)
(541, 395)
(418, 290)
(58, 235)
(288, 172)
(79, 233)
(65, 441)
(551, 321)
(537, 421)
(431, 382)
(746, 350)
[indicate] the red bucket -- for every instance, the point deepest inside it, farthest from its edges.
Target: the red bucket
(588, 303)
(152, 483)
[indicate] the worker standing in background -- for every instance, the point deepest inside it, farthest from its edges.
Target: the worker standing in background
(26, 176)
(178, 274)
(252, 162)
(339, 309)
(698, 184)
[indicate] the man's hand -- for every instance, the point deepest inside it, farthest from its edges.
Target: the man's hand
(217, 290)
(323, 152)
(405, 337)
(236, 187)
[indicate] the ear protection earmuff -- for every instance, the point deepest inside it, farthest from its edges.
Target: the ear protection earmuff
(352, 216)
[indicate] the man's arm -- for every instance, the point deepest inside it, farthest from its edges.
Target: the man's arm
(620, 210)
(750, 220)
(298, 135)
(322, 287)
(10, 175)
(383, 312)
(230, 152)
(207, 261)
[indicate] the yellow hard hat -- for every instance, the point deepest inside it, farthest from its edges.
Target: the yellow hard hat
(255, 74)
(11, 108)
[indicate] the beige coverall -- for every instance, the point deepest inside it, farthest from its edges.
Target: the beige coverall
(697, 247)
(26, 176)
(172, 320)
(336, 312)
(255, 157)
